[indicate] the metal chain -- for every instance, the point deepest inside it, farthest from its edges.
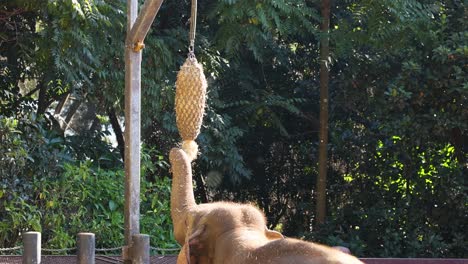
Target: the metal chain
(193, 29)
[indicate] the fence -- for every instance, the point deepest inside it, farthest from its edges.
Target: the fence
(86, 253)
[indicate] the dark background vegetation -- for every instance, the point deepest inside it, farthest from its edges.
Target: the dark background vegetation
(398, 119)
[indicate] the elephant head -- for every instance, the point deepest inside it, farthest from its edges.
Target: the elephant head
(199, 227)
(215, 230)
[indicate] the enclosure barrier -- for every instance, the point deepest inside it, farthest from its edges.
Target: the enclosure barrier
(140, 248)
(86, 248)
(140, 252)
(32, 248)
(86, 251)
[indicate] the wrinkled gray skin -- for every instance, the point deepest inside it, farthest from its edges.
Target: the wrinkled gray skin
(231, 233)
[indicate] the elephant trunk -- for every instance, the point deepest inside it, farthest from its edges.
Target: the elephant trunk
(182, 198)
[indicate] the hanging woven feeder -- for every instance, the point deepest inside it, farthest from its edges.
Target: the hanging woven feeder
(190, 96)
(190, 104)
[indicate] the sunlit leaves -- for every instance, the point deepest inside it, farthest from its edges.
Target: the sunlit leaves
(261, 19)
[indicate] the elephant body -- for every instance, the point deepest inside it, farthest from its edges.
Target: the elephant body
(251, 246)
(290, 250)
(233, 233)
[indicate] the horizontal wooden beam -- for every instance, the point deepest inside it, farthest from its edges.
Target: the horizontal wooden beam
(140, 28)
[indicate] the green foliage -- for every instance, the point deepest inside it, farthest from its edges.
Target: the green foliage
(43, 189)
(397, 131)
(85, 199)
(30, 152)
(155, 213)
(398, 127)
(396, 104)
(71, 36)
(418, 211)
(259, 26)
(82, 199)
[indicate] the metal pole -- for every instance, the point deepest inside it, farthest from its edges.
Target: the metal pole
(86, 248)
(32, 248)
(140, 249)
(132, 134)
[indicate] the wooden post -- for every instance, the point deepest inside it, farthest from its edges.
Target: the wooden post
(143, 22)
(86, 248)
(140, 249)
(132, 134)
(32, 248)
(321, 189)
(137, 28)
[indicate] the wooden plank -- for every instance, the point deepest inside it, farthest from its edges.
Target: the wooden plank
(143, 22)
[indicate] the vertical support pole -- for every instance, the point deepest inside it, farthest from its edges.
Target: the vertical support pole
(86, 248)
(140, 249)
(32, 248)
(321, 188)
(132, 135)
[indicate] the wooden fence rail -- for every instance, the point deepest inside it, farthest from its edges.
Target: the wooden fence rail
(172, 260)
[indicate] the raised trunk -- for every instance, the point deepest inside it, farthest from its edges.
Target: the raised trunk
(182, 198)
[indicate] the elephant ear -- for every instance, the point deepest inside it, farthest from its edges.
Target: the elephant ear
(185, 258)
(272, 234)
(193, 248)
(196, 241)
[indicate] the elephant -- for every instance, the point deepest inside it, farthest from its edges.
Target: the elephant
(233, 233)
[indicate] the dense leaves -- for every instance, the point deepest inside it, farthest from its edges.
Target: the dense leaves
(398, 119)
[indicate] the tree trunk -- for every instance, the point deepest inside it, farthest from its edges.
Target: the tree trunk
(201, 192)
(72, 110)
(42, 99)
(63, 99)
(117, 130)
(321, 187)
